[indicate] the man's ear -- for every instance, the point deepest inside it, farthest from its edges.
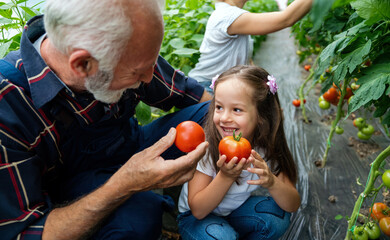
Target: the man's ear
(82, 63)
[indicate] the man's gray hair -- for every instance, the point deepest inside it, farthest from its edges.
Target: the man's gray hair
(94, 25)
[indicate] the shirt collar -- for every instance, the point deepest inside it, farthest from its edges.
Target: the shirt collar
(44, 84)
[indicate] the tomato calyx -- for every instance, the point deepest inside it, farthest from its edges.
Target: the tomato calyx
(235, 146)
(237, 138)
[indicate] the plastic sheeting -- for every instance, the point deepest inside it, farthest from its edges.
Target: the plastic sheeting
(315, 219)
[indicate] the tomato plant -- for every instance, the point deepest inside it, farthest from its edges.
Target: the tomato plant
(339, 130)
(348, 94)
(189, 135)
(384, 225)
(354, 86)
(368, 129)
(379, 210)
(307, 67)
(386, 178)
(235, 146)
(331, 95)
(360, 233)
(372, 230)
(296, 102)
(359, 122)
(324, 104)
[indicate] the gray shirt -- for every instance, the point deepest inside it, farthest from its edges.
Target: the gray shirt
(219, 50)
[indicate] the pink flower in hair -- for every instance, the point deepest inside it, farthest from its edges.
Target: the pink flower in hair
(273, 87)
(213, 81)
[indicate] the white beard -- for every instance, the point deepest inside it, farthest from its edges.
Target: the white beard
(99, 84)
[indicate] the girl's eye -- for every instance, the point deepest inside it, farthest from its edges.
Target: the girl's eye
(218, 107)
(237, 110)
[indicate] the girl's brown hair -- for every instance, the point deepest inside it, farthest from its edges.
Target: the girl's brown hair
(269, 132)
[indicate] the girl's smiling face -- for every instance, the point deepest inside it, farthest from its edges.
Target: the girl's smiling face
(234, 108)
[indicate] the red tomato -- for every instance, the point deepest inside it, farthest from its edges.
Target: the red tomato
(296, 102)
(331, 95)
(379, 211)
(189, 135)
(348, 94)
(235, 146)
(307, 67)
(384, 225)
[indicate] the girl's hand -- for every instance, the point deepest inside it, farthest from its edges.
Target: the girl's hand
(232, 169)
(266, 177)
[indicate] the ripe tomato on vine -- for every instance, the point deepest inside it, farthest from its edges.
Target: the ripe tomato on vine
(331, 95)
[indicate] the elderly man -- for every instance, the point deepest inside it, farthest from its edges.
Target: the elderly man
(74, 163)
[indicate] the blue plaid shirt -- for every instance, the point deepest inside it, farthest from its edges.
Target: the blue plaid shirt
(31, 136)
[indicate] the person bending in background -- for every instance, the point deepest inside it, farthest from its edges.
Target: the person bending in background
(227, 42)
(217, 203)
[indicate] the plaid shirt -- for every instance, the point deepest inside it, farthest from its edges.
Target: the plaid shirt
(30, 135)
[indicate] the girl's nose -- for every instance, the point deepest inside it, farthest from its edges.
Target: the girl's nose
(225, 116)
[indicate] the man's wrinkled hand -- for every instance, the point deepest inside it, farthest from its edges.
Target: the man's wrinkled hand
(147, 170)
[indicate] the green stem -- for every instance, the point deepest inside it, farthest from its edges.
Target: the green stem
(335, 121)
(302, 97)
(369, 187)
(19, 14)
(385, 127)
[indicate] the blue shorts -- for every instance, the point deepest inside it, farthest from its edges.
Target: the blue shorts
(258, 218)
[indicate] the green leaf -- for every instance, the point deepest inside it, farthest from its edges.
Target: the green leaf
(338, 217)
(143, 113)
(4, 48)
(185, 52)
(372, 86)
(356, 57)
(5, 21)
(319, 10)
(330, 50)
(340, 3)
(177, 43)
(29, 11)
(386, 118)
(372, 10)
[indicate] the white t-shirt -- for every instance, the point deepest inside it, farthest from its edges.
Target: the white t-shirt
(235, 197)
(219, 50)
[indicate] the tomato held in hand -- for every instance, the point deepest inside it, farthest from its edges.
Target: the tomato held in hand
(235, 146)
(189, 135)
(379, 210)
(386, 178)
(372, 230)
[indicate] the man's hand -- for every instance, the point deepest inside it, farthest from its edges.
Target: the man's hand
(147, 170)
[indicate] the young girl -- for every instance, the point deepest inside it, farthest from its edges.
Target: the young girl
(217, 202)
(227, 41)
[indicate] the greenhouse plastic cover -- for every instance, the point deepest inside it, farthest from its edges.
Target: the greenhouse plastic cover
(315, 219)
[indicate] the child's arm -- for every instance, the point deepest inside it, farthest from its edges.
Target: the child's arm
(280, 187)
(205, 193)
(265, 23)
